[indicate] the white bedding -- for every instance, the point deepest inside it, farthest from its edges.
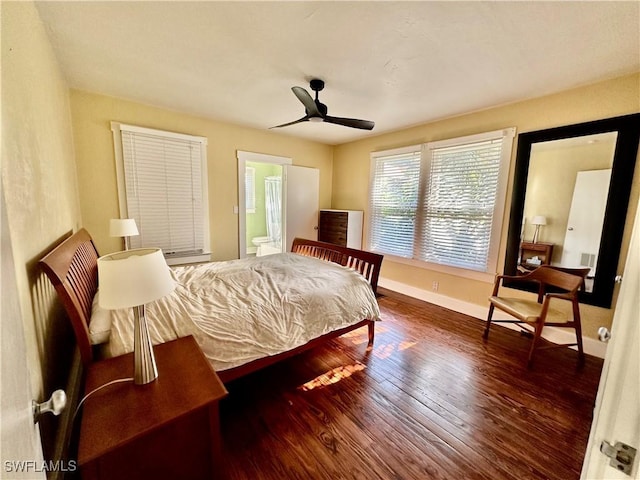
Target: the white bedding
(242, 310)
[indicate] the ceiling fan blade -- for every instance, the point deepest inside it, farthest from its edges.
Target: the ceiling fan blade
(307, 101)
(303, 119)
(350, 122)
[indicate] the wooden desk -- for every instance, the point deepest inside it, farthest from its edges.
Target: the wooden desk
(167, 429)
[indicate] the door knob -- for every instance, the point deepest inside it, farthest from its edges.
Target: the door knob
(604, 334)
(55, 405)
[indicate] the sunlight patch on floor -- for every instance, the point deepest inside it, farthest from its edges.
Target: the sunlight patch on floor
(386, 350)
(361, 335)
(332, 376)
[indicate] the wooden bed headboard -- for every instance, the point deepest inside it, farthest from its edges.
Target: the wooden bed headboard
(72, 268)
(366, 263)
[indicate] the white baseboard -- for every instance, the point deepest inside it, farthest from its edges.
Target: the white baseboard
(557, 335)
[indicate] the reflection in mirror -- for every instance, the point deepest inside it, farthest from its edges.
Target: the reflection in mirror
(551, 168)
(567, 189)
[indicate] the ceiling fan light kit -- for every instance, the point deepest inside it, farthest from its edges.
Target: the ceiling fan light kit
(317, 112)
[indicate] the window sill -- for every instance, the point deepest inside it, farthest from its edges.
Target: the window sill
(455, 271)
(177, 260)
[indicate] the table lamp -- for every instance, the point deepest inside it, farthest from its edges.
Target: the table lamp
(132, 279)
(538, 220)
(123, 227)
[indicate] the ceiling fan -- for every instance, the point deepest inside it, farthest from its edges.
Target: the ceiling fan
(317, 112)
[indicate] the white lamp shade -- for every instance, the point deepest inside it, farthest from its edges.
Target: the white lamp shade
(539, 220)
(123, 227)
(132, 278)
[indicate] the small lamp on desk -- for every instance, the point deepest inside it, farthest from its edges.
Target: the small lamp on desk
(538, 221)
(123, 227)
(132, 279)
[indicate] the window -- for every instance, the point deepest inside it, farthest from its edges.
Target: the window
(441, 202)
(162, 185)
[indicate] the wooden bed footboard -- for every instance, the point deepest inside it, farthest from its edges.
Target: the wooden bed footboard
(366, 263)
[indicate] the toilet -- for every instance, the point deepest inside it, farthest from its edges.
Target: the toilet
(266, 246)
(257, 241)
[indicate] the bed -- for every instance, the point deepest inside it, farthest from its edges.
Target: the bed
(245, 314)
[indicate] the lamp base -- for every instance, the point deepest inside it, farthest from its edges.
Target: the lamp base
(144, 362)
(536, 234)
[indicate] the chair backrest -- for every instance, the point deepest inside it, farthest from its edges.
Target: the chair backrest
(567, 279)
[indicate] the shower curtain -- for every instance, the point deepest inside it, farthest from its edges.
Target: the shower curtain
(273, 200)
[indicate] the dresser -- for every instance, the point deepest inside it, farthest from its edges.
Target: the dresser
(167, 429)
(341, 227)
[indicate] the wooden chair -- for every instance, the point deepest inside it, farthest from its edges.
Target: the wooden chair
(565, 283)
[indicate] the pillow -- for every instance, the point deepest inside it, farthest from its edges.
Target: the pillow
(100, 323)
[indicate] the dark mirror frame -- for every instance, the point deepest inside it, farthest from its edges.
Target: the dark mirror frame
(624, 161)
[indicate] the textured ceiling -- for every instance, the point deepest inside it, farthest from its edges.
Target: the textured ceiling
(396, 63)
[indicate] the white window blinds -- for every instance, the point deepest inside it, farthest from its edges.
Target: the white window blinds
(441, 202)
(165, 190)
(393, 202)
(458, 205)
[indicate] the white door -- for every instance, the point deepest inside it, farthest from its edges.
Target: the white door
(617, 408)
(302, 199)
(19, 437)
(586, 216)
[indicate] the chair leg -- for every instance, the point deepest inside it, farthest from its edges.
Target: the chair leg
(578, 327)
(485, 335)
(536, 336)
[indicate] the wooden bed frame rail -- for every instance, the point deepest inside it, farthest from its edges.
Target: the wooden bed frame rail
(72, 268)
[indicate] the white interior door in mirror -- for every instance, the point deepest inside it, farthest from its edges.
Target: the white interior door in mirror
(302, 203)
(584, 226)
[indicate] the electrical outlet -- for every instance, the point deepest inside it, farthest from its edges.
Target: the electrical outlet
(434, 286)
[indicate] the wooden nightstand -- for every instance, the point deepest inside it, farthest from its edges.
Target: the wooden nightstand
(167, 429)
(528, 250)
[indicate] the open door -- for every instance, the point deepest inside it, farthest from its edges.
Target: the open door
(22, 456)
(617, 409)
(586, 216)
(302, 187)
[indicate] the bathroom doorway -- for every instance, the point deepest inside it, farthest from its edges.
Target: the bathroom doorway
(263, 184)
(267, 224)
(260, 195)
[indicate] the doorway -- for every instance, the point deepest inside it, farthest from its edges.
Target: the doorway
(277, 201)
(263, 211)
(260, 203)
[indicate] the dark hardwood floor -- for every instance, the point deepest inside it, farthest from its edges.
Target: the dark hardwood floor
(431, 400)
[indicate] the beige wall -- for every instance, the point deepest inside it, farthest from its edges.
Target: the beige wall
(352, 162)
(92, 115)
(38, 168)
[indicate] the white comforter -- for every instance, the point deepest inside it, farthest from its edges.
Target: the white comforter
(242, 310)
